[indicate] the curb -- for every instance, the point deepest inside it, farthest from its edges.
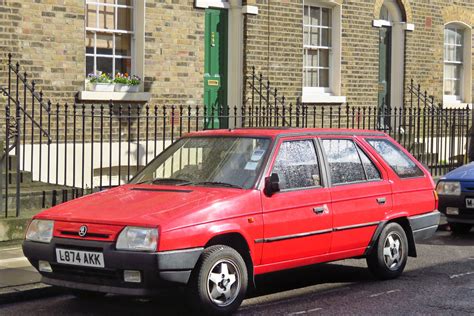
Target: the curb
(31, 291)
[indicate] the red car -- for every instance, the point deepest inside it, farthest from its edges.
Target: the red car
(220, 207)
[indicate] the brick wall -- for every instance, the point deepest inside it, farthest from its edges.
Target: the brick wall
(274, 45)
(47, 38)
(174, 51)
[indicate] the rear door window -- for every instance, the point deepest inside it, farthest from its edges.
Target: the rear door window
(400, 163)
(348, 163)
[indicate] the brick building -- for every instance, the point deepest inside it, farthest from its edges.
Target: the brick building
(200, 51)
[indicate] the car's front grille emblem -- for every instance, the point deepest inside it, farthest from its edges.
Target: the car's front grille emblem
(82, 230)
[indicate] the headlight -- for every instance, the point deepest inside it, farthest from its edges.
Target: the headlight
(40, 230)
(448, 188)
(138, 239)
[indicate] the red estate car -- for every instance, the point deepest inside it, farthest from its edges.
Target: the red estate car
(219, 207)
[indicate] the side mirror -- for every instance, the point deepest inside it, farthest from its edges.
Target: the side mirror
(272, 184)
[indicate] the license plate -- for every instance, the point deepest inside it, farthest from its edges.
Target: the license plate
(469, 203)
(80, 258)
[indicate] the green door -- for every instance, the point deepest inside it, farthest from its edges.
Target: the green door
(385, 47)
(215, 69)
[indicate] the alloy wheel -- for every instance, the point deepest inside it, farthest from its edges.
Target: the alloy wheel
(223, 283)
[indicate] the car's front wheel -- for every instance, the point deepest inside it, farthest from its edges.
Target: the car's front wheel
(219, 281)
(460, 228)
(389, 257)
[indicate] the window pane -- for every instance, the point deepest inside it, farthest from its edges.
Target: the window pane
(123, 44)
(311, 58)
(104, 65)
(311, 78)
(372, 172)
(91, 16)
(123, 65)
(124, 19)
(459, 36)
(451, 36)
(124, 2)
(324, 78)
(306, 36)
(449, 88)
(459, 51)
(107, 17)
(314, 36)
(324, 58)
(106, 1)
(315, 16)
(89, 43)
(297, 165)
(89, 64)
(449, 53)
(306, 15)
(104, 44)
(344, 162)
(401, 164)
(326, 17)
(326, 37)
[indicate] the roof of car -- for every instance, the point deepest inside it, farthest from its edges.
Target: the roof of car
(285, 131)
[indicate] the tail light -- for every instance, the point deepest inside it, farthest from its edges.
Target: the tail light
(436, 199)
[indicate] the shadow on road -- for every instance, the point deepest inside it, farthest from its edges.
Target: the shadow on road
(450, 239)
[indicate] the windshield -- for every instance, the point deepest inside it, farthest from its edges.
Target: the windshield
(220, 161)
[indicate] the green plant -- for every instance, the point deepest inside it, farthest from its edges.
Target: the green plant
(101, 78)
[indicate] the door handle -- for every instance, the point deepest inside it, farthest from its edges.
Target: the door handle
(319, 210)
(381, 200)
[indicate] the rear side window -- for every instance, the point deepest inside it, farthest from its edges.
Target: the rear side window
(401, 164)
(297, 165)
(347, 163)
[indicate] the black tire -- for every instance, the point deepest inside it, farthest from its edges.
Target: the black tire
(201, 286)
(460, 228)
(389, 266)
(84, 294)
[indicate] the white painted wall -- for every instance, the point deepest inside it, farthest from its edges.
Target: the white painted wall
(62, 155)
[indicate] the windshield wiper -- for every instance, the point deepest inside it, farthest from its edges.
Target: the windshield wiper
(167, 180)
(224, 184)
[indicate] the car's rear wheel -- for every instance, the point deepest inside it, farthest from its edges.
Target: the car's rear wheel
(389, 257)
(219, 281)
(460, 228)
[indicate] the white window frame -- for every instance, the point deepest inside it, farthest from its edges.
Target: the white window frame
(114, 31)
(465, 79)
(318, 47)
(332, 94)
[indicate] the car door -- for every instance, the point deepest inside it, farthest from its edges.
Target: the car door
(360, 193)
(298, 219)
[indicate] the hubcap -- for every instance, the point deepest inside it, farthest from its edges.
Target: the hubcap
(223, 283)
(392, 251)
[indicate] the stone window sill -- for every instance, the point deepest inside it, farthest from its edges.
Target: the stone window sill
(324, 98)
(114, 96)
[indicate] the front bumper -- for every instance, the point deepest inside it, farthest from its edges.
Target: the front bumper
(466, 215)
(158, 270)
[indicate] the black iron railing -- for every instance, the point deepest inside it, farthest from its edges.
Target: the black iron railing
(87, 147)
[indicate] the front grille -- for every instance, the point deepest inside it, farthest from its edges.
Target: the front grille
(89, 235)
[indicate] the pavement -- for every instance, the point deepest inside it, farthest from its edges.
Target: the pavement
(18, 279)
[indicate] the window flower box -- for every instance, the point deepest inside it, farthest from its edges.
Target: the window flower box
(103, 87)
(120, 87)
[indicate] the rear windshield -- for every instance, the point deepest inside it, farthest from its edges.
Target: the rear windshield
(401, 164)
